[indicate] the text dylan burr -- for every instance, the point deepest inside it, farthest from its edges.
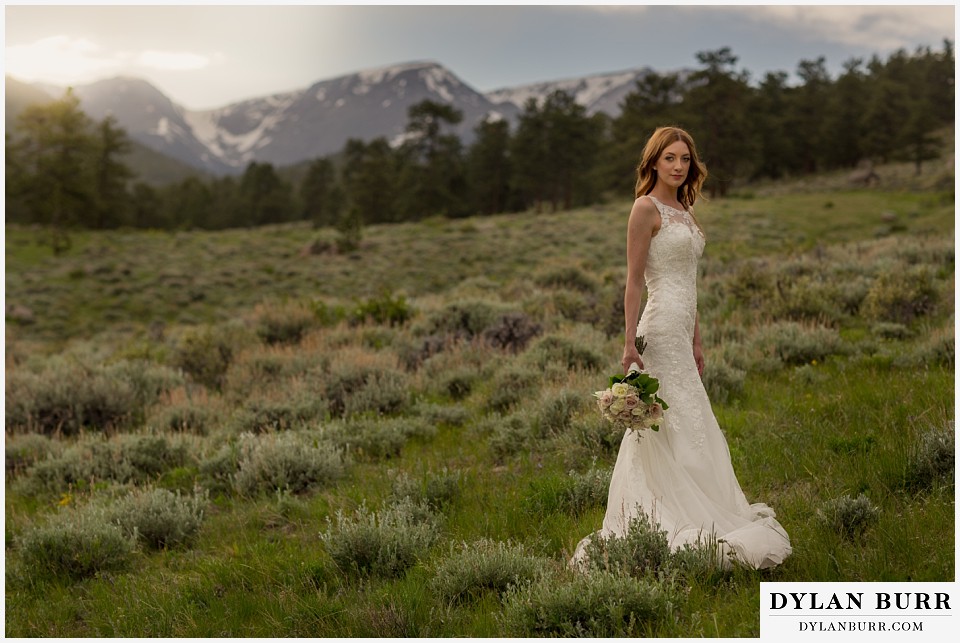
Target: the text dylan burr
(855, 600)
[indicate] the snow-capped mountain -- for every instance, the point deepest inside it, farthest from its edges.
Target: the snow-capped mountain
(150, 118)
(600, 93)
(288, 128)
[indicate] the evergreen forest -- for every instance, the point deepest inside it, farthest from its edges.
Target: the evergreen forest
(66, 171)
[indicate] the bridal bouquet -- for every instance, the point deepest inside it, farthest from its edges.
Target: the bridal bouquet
(631, 402)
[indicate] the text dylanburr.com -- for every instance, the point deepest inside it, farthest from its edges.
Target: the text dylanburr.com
(854, 610)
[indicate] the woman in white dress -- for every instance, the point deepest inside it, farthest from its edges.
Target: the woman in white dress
(680, 476)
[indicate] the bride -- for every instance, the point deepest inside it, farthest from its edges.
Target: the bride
(680, 476)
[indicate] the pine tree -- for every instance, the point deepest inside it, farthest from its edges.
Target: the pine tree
(111, 175)
(49, 169)
(843, 117)
(654, 102)
(265, 198)
(529, 153)
(488, 166)
(434, 174)
(775, 142)
(717, 106)
(320, 194)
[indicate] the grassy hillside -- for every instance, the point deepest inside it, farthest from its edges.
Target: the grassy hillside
(248, 434)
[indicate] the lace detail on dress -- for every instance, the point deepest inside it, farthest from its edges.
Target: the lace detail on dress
(669, 318)
(682, 475)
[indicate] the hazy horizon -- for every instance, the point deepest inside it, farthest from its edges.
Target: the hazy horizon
(204, 57)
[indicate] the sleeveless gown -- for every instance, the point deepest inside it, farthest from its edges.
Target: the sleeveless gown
(682, 475)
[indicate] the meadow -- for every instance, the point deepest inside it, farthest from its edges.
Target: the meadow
(247, 433)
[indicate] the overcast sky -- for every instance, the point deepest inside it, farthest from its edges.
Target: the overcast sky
(209, 56)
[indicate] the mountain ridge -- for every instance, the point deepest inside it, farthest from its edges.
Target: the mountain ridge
(286, 128)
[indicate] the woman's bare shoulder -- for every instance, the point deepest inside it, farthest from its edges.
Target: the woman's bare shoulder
(645, 212)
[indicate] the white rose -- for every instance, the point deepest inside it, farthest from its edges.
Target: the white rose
(620, 389)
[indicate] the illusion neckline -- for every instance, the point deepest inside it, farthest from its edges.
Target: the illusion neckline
(653, 198)
(686, 214)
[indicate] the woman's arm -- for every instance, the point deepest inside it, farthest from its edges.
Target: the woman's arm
(644, 223)
(698, 346)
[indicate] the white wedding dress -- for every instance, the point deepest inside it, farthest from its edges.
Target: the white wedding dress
(682, 475)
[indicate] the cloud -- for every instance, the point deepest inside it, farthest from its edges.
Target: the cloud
(883, 27)
(175, 60)
(60, 59)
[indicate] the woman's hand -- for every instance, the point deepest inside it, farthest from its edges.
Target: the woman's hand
(698, 358)
(630, 356)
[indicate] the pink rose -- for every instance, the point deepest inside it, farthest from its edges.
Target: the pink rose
(631, 402)
(606, 398)
(655, 412)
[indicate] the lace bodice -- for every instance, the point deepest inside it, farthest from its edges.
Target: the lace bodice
(671, 276)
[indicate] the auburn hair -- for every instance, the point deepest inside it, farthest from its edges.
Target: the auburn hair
(662, 137)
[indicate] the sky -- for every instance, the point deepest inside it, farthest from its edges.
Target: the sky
(205, 57)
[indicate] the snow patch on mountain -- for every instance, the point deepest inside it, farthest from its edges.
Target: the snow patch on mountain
(587, 91)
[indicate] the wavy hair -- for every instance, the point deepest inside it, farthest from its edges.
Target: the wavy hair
(662, 137)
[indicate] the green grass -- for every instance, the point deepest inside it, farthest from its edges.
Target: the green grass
(798, 435)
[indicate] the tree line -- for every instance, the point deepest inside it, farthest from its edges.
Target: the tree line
(65, 170)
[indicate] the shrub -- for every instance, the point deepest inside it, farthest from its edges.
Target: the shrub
(848, 516)
(937, 349)
(356, 388)
(642, 551)
(510, 386)
(151, 455)
(933, 459)
(806, 299)
(160, 518)
(573, 493)
(512, 331)
(297, 462)
(260, 416)
(594, 435)
(65, 397)
(76, 544)
(595, 605)
(751, 284)
(218, 470)
(565, 353)
(434, 490)
(462, 319)
(148, 380)
(385, 309)
(485, 566)
(126, 458)
(386, 543)
(206, 353)
(722, 381)
(901, 296)
(183, 417)
(442, 414)
(567, 278)
(555, 411)
(284, 323)
(509, 435)
(22, 451)
(377, 438)
(849, 293)
(891, 330)
(383, 392)
(458, 383)
(794, 344)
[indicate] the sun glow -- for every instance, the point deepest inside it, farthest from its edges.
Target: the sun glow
(64, 60)
(60, 59)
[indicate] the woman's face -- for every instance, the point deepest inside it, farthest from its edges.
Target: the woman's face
(674, 164)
